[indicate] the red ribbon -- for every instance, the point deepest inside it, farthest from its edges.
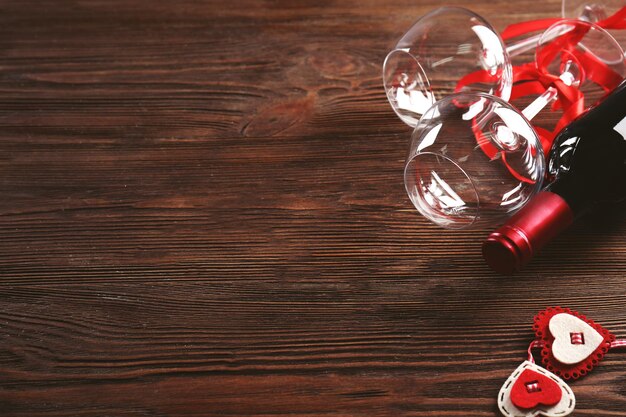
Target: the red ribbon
(534, 78)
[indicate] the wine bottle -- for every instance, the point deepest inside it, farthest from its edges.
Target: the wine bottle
(587, 168)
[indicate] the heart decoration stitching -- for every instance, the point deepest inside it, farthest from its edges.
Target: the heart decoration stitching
(533, 391)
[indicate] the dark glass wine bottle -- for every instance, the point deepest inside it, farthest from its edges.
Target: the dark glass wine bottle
(587, 168)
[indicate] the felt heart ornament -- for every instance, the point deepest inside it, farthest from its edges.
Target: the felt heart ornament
(534, 391)
(572, 344)
(574, 340)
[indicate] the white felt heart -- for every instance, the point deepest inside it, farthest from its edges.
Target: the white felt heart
(564, 407)
(574, 340)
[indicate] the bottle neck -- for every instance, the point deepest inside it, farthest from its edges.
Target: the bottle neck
(577, 198)
(512, 246)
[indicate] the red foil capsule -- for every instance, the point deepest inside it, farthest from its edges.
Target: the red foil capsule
(513, 245)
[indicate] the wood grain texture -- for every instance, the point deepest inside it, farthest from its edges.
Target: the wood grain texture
(202, 213)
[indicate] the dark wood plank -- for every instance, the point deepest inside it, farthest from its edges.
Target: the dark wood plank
(203, 213)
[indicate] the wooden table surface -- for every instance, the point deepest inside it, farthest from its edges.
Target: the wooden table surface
(202, 213)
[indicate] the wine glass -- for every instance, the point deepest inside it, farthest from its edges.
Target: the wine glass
(474, 159)
(440, 48)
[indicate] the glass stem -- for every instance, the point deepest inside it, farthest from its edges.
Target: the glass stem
(540, 103)
(529, 43)
(551, 93)
(522, 46)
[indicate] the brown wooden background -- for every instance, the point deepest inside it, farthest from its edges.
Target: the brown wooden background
(202, 213)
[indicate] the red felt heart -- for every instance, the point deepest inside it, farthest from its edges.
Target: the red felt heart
(575, 371)
(532, 389)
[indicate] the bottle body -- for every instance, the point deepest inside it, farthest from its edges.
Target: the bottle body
(587, 168)
(588, 157)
